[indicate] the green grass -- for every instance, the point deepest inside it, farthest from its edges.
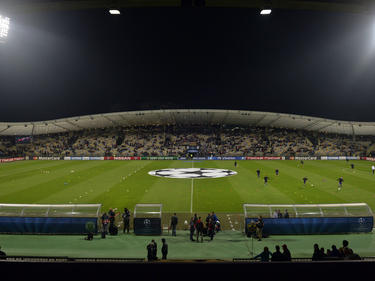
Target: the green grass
(55, 182)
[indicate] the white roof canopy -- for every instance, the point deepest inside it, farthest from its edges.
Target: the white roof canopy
(188, 116)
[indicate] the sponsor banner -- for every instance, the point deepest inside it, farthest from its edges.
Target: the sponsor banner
(339, 158)
(96, 158)
(80, 158)
(303, 158)
(353, 157)
(265, 158)
(160, 158)
(47, 158)
(109, 158)
(368, 158)
(232, 158)
(182, 158)
(5, 160)
(126, 158)
(76, 158)
(199, 158)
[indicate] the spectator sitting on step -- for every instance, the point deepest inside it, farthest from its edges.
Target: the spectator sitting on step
(317, 254)
(334, 252)
(277, 256)
(2, 254)
(342, 251)
(264, 256)
(286, 253)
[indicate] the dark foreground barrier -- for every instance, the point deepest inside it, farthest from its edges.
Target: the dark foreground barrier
(30, 225)
(320, 225)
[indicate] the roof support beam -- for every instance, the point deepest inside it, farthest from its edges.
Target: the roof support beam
(110, 120)
(62, 127)
(325, 126)
(311, 125)
(5, 129)
(273, 121)
(75, 125)
(24, 6)
(260, 120)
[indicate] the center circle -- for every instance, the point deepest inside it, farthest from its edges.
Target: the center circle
(192, 173)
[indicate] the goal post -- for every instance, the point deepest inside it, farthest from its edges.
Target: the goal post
(49, 218)
(147, 219)
(311, 218)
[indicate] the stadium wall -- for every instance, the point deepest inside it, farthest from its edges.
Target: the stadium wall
(37, 225)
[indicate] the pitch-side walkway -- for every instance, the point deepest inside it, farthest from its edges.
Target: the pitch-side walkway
(226, 245)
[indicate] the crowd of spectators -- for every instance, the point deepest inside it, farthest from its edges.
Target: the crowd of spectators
(173, 140)
(344, 253)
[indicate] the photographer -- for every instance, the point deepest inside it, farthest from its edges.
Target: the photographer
(251, 229)
(260, 225)
(126, 220)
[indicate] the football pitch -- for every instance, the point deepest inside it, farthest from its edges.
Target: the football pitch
(119, 184)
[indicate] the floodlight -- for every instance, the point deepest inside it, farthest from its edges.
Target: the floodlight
(265, 11)
(114, 12)
(4, 27)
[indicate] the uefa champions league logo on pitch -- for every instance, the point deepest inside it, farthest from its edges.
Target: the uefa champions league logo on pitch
(192, 173)
(147, 222)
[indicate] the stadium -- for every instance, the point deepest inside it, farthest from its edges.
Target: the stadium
(238, 180)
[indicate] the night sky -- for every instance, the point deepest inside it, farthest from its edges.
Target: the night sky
(64, 64)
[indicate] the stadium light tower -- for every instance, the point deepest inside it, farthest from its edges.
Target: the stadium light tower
(4, 27)
(265, 11)
(114, 12)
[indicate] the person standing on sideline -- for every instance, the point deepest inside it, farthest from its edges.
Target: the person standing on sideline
(105, 221)
(199, 226)
(150, 250)
(192, 228)
(211, 229)
(286, 214)
(235, 164)
(126, 219)
(260, 225)
(373, 169)
(277, 172)
(164, 249)
(154, 250)
(174, 222)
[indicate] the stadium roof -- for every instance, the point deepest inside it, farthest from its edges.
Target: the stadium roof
(27, 6)
(188, 116)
